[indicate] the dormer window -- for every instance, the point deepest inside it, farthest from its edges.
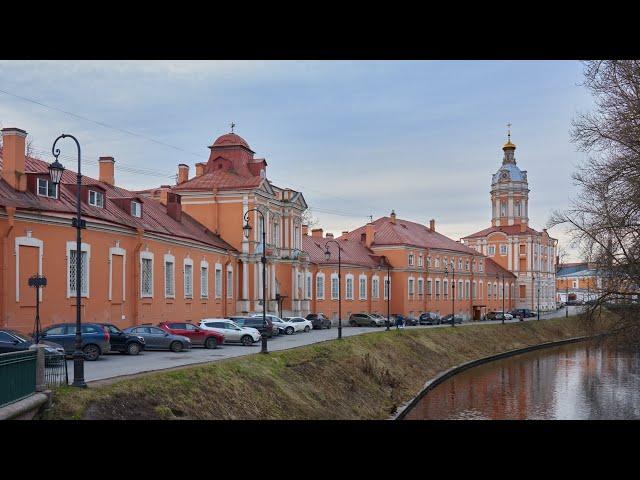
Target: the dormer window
(47, 188)
(96, 199)
(136, 209)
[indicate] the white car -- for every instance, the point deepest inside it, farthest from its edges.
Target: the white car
(301, 324)
(233, 333)
(283, 326)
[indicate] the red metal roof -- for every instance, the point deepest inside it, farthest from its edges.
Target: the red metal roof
(492, 268)
(508, 229)
(154, 218)
(352, 252)
(230, 139)
(220, 179)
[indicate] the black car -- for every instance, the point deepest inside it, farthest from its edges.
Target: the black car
(447, 319)
(123, 342)
(406, 321)
(12, 341)
(255, 322)
(429, 318)
(522, 312)
(319, 321)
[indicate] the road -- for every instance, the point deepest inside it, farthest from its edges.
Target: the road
(118, 365)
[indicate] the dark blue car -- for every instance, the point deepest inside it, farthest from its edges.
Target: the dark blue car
(95, 338)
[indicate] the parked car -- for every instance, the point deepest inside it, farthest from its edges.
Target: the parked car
(124, 342)
(233, 333)
(95, 338)
(197, 335)
(429, 318)
(13, 341)
(366, 320)
(300, 324)
(283, 326)
(523, 312)
(319, 320)
(447, 319)
(268, 330)
(407, 321)
(156, 338)
(498, 316)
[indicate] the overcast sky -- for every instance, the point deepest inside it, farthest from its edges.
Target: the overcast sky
(357, 138)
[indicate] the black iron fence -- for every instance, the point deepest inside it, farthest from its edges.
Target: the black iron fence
(55, 370)
(17, 376)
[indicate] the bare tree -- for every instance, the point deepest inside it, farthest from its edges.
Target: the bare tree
(604, 218)
(308, 218)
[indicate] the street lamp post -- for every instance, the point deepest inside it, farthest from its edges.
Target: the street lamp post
(55, 171)
(327, 256)
(566, 299)
(263, 259)
(453, 292)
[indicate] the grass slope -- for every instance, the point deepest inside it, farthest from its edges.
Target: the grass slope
(362, 377)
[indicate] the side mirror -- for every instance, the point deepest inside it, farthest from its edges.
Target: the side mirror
(166, 334)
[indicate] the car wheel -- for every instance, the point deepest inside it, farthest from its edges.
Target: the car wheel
(211, 343)
(91, 352)
(352, 324)
(175, 346)
(373, 324)
(133, 348)
(329, 325)
(307, 329)
(246, 340)
(288, 330)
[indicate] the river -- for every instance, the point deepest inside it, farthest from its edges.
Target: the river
(578, 381)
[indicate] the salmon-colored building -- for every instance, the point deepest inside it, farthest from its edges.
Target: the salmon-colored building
(510, 242)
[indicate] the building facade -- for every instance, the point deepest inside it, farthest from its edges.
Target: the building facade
(578, 281)
(512, 243)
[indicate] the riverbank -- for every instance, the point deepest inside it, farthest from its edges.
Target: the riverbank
(363, 377)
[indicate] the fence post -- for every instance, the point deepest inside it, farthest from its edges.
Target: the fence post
(40, 366)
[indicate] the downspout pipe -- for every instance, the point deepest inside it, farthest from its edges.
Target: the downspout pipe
(11, 211)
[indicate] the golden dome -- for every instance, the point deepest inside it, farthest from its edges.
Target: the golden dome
(509, 145)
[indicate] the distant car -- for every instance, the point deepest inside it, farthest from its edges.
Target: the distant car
(13, 341)
(447, 319)
(156, 338)
(366, 320)
(319, 321)
(300, 324)
(396, 317)
(95, 338)
(124, 342)
(198, 336)
(233, 333)
(498, 316)
(283, 326)
(429, 318)
(523, 312)
(256, 322)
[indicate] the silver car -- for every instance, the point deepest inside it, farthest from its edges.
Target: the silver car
(233, 333)
(157, 339)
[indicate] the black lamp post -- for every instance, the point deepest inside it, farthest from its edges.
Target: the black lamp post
(453, 292)
(263, 259)
(566, 299)
(503, 312)
(327, 256)
(55, 171)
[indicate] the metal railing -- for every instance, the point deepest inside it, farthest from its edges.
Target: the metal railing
(55, 370)
(17, 376)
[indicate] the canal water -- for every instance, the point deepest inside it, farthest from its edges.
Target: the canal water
(578, 381)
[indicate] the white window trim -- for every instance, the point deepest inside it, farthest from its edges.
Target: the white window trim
(185, 262)
(96, 196)
(348, 277)
(375, 280)
(334, 276)
(168, 258)
(308, 286)
(148, 255)
(229, 290)
(320, 277)
(360, 278)
(122, 253)
(28, 241)
(420, 286)
(139, 209)
(411, 285)
(218, 268)
(204, 264)
(84, 247)
(45, 196)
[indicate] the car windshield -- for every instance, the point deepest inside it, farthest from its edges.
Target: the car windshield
(375, 315)
(21, 336)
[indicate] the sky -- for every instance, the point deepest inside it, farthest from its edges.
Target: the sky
(358, 138)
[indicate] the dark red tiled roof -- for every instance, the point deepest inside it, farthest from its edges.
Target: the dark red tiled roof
(154, 217)
(508, 229)
(220, 179)
(404, 232)
(230, 139)
(352, 252)
(493, 268)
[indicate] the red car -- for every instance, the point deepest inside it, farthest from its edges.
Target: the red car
(198, 336)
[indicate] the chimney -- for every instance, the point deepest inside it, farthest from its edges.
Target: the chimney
(183, 173)
(200, 168)
(174, 206)
(369, 234)
(393, 217)
(163, 192)
(106, 172)
(432, 225)
(316, 233)
(13, 149)
(329, 235)
(305, 229)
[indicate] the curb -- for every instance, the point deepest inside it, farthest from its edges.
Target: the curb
(402, 411)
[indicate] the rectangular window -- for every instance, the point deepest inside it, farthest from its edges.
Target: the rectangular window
(437, 287)
(437, 263)
(96, 199)
(491, 250)
(84, 285)
(146, 277)
(334, 288)
(204, 282)
(489, 291)
(218, 279)
(349, 288)
(320, 287)
(308, 286)
(47, 188)
(503, 249)
(188, 281)
(169, 279)
(420, 287)
(523, 291)
(136, 209)
(460, 290)
(429, 292)
(467, 288)
(411, 259)
(419, 260)
(411, 287)
(229, 283)
(375, 288)
(363, 288)
(445, 288)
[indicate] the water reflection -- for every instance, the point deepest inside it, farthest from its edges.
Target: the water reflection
(586, 380)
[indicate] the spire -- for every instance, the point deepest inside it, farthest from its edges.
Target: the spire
(509, 145)
(232, 126)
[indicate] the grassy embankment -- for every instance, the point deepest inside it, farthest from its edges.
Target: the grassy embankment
(361, 377)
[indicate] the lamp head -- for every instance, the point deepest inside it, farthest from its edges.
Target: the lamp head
(327, 254)
(247, 230)
(55, 171)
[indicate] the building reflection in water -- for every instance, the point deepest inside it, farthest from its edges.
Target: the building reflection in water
(583, 380)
